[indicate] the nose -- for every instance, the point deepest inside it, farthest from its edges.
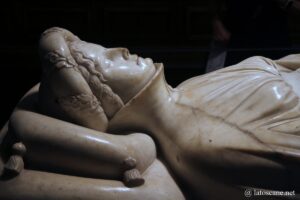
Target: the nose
(125, 53)
(114, 53)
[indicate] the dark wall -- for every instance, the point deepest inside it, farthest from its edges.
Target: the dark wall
(175, 32)
(119, 22)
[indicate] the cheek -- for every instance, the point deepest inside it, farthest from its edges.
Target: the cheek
(124, 65)
(123, 70)
(150, 70)
(123, 83)
(123, 76)
(130, 75)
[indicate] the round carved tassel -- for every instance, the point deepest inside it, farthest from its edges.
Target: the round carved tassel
(15, 164)
(19, 149)
(129, 163)
(133, 178)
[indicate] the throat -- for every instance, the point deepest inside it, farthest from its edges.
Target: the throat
(147, 110)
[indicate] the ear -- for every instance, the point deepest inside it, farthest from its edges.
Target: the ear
(63, 83)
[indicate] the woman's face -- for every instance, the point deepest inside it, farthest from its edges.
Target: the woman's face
(126, 74)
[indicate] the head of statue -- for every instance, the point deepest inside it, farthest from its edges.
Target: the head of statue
(114, 75)
(124, 73)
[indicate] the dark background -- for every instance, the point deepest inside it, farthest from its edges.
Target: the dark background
(175, 32)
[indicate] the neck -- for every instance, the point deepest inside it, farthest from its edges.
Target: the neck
(148, 110)
(154, 111)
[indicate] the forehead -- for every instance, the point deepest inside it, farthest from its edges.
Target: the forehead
(89, 49)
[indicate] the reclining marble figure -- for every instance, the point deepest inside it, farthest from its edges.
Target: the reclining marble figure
(87, 131)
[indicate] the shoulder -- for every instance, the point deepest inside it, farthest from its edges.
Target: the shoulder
(246, 69)
(249, 91)
(255, 64)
